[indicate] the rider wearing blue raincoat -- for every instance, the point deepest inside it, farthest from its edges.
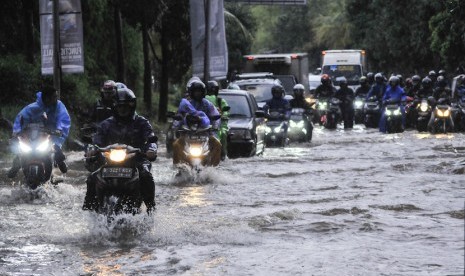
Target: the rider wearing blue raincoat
(53, 113)
(395, 94)
(199, 106)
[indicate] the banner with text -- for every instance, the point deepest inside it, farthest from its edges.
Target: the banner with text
(71, 38)
(218, 48)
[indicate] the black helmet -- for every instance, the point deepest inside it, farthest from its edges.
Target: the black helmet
(342, 81)
(277, 91)
(416, 80)
(441, 81)
(298, 90)
(213, 88)
(196, 90)
(108, 90)
(426, 83)
(124, 104)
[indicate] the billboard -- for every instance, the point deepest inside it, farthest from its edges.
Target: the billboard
(71, 38)
(218, 47)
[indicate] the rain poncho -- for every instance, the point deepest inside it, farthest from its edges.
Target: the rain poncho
(395, 95)
(186, 108)
(57, 118)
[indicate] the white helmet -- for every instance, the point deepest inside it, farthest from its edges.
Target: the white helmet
(298, 87)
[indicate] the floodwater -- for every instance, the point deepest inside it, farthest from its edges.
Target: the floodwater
(350, 203)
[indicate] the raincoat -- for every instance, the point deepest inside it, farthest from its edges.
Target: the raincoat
(394, 94)
(57, 118)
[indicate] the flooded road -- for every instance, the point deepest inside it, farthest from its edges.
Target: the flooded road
(350, 203)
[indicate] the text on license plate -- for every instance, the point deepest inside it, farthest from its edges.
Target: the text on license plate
(117, 172)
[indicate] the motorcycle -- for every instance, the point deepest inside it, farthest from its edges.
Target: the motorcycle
(36, 154)
(423, 111)
(371, 112)
(393, 114)
(196, 141)
(276, 130)
(359, 102)
(442, 118)
(410, 113)
(333, 114)
(298, 125)
(118, 184)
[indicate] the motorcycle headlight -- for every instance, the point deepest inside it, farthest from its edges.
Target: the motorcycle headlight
(43, 146)
(292, 123)
(25, 148)
(195, 151)
(300, 124)
(388, 112)
(277, 129)
(397, 112)
(322, 105)
(117, 155)
(447, 113)
(358, 104)
(267, 129)
(424, 107)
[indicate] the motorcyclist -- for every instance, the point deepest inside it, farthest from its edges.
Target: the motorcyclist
(197, 103)
(326, 88)
(57, 120)
(125, 127)
(442, 95)
(299, 102)
(363, 89)
(426, 89)
(346, 96)
(378, 89)
(416, 85)
(394, 94)
(370, 78)
(212, 95)
(433, 76)
(442, 90)
(278, 103)
(103, 108)
(460, 88)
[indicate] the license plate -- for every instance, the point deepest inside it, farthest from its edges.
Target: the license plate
(117, 172)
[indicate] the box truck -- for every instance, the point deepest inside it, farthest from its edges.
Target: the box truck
(350, 64)
(289, 68)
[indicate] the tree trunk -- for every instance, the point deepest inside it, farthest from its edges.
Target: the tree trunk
(147, 69)
(121, 74)
(28, 30)
(163, 104)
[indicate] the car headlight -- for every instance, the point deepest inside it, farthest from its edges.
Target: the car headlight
(43, 146)
(24, 147)
(117, 155)
(195, 151)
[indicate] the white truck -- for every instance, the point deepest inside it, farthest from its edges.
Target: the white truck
(350, 64)
(290, 68)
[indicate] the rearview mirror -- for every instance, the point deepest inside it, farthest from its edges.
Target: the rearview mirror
(260, 114)
(226, 108)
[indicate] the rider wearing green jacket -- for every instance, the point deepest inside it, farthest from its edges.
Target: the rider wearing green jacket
(212, 95)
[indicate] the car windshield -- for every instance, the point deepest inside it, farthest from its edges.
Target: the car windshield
(239, 105)
(261, 92)
(351, 72)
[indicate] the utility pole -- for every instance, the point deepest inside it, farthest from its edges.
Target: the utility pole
(56, 48)
(206, 61)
